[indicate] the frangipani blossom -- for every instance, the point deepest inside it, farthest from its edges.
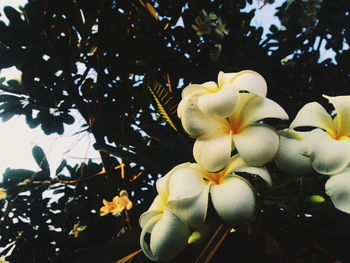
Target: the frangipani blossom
(182, 204)
(217, 136)
(222, 99)
(169, 231)
(328, 146)
(232, 196)
(289, 157)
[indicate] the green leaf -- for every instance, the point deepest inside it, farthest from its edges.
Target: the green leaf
(7, 98)
(12, 14)
(12, 177)
(32, 122)
(16, 86)
(5, 116)
(67, 118)
(40, 158)
(61, 167)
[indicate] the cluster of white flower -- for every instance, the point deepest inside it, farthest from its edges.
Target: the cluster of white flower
(226, 118)
(325, 149)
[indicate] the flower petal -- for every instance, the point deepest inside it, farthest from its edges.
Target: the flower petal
(162, 183)
(233, 200)
(313, 114)
(257, 144)
(147, 228)
(192, 210)
(222, 102)
(252, 108)
(195, 122)
(185, 183)
(236, 164)
(338, 189)
(247, 80)
(251, 81)
(225, 78)
(289, 158)
(213, 152)
(342, 107)
(148, 215)
(199, 89)
(328, 156)
(169, 236)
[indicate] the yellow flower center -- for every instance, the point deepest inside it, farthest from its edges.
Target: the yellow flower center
(233, 127)
(214, 178)
(339, 136)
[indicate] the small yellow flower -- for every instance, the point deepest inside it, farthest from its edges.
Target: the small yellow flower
(121, 202)
(118, 204)
(106, 208)
(3, 194)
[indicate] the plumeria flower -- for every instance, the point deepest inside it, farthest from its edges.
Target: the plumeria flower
(327, 146)
(232, 196)
(182, 204)
(217, 136)
(169, 232)
(289, 157)
(222, 99)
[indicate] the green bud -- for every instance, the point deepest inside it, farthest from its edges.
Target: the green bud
(316, 199)
(194, 237)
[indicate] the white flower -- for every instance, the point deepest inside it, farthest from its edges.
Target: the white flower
(182, 204)
(232, 196)
(169, 232)
(222, 99)
(217, 136)
(328, 146)
(289, 157)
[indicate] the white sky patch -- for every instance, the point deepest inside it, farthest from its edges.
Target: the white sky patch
(264, 16)
(17, 141)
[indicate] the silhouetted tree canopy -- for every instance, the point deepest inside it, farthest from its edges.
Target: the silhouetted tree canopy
(111, 61)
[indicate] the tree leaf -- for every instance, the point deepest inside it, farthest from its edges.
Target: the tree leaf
(61, 167)
(12, 177)
(40, 158)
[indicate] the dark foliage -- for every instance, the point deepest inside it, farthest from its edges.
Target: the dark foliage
(93, 56)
